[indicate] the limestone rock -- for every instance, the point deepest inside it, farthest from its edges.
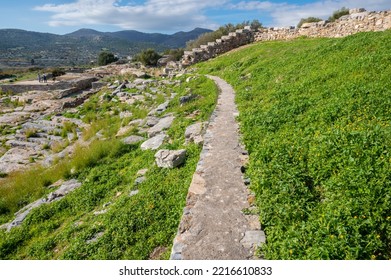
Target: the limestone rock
(194, 133)
(187, 98)
(253, 238)
(154, 142)
(133, 139)
(152, 121)
(170, 159)
(163, 124)
(63, 190)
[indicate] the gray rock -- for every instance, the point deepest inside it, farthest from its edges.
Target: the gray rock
(194, 133)
(170, 159)
(154, 142)
(139, 180)
(253, 238)
(142, 172)
(152, 121)
(133, 139)
(187, 98)
(137, 122)
(22, 214)
(63, 190)
(95, 237)
(133, 193)
(161, 108)
(163, 124)
(104, 211)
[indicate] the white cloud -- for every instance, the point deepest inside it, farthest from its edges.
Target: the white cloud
(149, 15)
(174, 15)
(284, 14)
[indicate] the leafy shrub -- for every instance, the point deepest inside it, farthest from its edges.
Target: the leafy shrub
(339, 13)
(148, 57)
(308, 20)
(105, 58)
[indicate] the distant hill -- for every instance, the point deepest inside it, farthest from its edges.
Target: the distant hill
(24, 48)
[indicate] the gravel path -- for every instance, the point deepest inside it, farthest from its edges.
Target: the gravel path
(213, 225)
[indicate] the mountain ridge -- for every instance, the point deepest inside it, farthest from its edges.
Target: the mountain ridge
(23, 48)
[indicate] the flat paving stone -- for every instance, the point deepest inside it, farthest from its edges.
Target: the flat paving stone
(213, 224)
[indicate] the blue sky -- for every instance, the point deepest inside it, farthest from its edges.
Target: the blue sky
(166, 16)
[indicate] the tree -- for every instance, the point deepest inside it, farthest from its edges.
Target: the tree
(176, 54)
(308, 20)
(148, 57)
(105, 58)
(339, 13)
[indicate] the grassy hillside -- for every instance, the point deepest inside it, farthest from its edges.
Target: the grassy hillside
(315, 116)
(129, 227)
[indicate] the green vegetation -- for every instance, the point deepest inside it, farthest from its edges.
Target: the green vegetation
(148, 57)
(316, 118)
(175, 54)
(308, 20)
(339, 13)
(105, 58)
(133, 226)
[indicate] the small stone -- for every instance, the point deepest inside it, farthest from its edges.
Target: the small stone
(170, 159)
(139, 180)
(96, 213)
(152, 121)
(95, 237)
(142, 172)
(253, 238)
(133, 193)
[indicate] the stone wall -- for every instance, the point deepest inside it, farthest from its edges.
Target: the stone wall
(358, 20)
(68, 87)
(226, 43)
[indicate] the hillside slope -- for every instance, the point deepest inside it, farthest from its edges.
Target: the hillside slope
(18, 47)
(316, 118)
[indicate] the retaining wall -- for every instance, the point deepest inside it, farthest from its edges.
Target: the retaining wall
(358, 20)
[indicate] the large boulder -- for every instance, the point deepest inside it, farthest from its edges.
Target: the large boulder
(170, 159)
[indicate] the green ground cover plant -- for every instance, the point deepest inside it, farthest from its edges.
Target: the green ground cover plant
(101, 220)
(315, 115)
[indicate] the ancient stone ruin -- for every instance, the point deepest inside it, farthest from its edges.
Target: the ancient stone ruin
(358, 20)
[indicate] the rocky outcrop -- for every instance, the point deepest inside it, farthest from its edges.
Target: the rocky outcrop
(62, 191)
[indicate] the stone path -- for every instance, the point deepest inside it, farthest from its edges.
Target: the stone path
(213, 224)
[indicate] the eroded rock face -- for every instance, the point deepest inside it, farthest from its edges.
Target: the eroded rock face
(170, 159)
